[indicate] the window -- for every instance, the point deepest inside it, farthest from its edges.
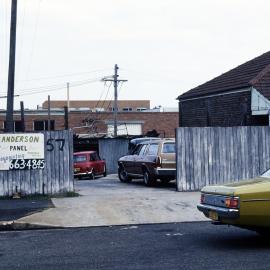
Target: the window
(126, 109)
(153, 150)
(142, 151)
(141, 109)
(43, 125)
(137, 149)
(125, 129)
(79, 158)
(94, 157)
(168, 148)
(17, 126)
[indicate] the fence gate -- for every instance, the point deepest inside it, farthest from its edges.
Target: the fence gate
(111, 150)
(217, 155)
(47, 168)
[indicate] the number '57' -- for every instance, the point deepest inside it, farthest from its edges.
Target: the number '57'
(51, 144)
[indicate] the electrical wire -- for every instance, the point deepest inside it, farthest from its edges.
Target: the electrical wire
(64, 75)
(119, 90)
(20, 23)
(99, 100)
(32, 47)
(99, 112)
(55, 87)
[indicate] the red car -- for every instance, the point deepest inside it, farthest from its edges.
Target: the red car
(88, 163)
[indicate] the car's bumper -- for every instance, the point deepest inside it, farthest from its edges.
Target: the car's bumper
(77, 174)
(164, 172)
(227, 213)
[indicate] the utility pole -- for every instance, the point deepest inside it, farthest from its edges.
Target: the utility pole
(22, 117)
(66, 117)
(49, 113)
(115, 104)
(11, 71)
(68, 101)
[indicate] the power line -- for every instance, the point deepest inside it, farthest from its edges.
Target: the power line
(33, 39)
(20, 50)
(99, 113)
(62, 76)
(55, 86)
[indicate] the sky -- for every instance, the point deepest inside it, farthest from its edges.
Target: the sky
(163, 48)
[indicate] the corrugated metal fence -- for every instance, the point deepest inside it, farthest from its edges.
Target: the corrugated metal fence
(111, 150)
(56, 177)
(216, 155)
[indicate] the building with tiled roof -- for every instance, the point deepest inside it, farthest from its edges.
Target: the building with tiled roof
(238, 97)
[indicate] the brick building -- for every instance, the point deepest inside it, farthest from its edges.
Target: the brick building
(238, 97)
(101, 105)
(98, 123)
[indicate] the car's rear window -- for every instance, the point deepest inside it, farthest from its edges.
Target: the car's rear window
(79, 158)
(168, 148)
(152, 150)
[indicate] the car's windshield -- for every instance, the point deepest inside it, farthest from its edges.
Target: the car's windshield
(79, 158)
(266, 174)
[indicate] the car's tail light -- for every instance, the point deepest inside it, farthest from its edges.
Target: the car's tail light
(158, 161)
(202, 198)
(232, 202)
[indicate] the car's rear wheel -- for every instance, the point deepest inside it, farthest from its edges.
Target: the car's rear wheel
(148, 179)
(123, 176)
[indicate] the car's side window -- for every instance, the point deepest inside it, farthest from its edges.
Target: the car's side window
(142, 151)
(92, 157)
(137, 149)
(152, 150)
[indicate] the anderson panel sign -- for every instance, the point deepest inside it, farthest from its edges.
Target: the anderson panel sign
(21, 151)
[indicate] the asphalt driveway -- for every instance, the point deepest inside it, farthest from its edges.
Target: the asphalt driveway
(12, 209)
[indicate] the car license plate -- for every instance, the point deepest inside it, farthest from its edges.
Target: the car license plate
(76, 170)
(213, 215)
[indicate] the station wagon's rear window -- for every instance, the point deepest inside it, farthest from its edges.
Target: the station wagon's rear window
(80, 158)
(153, 149)
(168, 148)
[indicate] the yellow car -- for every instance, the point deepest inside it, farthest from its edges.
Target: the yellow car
(244, 204)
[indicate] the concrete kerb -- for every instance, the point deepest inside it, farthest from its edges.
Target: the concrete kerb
(19, 226)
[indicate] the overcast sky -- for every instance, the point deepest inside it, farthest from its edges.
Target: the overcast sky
(163, 48)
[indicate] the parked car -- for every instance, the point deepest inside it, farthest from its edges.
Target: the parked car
(134, 142)
(88, 163)
(150, 160)
(244, 204)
